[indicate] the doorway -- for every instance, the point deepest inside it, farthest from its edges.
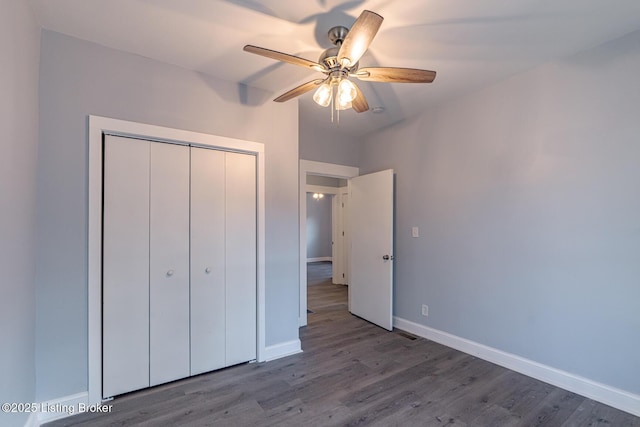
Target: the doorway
(331, 170)
(98, 128)
(326, 223)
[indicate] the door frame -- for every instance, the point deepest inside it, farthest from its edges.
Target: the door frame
(338, 222)
(308, 167)
(100, 126)
(341, 253)
(332, 193)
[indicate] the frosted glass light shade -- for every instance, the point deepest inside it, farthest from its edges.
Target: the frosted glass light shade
(346, 92)
(322, 96)
(343, 105)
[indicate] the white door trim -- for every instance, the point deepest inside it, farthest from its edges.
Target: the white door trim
(99, 126)
(322, 189)
(313, 168)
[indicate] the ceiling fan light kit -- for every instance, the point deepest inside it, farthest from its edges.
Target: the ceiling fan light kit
(341, 62)
(323, 95)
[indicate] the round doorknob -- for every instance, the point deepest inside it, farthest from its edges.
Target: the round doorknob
(387, 257)
(170, 273)
(207, 270)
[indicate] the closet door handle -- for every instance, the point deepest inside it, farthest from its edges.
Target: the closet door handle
(170, 273)
(207, 270)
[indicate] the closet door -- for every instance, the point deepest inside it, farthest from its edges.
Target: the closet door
(207, 260)
(125, 285)
(169, 263)
(241, 258)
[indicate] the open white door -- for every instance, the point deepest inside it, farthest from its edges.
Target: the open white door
(371, 228)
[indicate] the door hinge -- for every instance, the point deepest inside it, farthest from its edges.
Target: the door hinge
(343, 233)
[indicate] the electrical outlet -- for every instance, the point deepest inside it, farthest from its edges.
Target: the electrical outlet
(425, 310)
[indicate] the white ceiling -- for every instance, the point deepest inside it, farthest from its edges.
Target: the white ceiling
(470, 43)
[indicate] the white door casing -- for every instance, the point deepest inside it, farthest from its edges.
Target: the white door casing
(340, 265)
(335, 232)
(312, 168)
(371, 236)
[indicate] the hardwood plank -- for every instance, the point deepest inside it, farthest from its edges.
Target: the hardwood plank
(596, 414)
(392, 403)
(496, 415)
(554, 410)
(316, 388)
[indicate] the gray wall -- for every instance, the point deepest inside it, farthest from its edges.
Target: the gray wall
(527, 198)
(329, 146)
(318, 226)
(20, 52)
(79, 78)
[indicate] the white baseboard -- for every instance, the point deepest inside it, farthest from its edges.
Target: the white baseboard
(617, 398)
(283, 349)
(62, 407)
(318, 259)
(32, 421)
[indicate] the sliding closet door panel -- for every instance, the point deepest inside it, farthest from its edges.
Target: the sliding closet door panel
(125, 286)
(241, 258)
(207, 260)
(169, 263)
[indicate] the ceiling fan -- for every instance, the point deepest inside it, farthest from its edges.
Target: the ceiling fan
(339, 63)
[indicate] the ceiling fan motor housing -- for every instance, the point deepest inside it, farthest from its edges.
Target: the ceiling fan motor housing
(329, 57)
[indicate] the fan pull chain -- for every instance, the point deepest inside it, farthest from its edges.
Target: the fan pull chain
(333, 101)
(334, 105)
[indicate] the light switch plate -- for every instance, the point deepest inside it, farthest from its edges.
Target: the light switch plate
(415, 232)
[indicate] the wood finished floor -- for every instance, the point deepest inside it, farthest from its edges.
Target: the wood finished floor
(354, 374)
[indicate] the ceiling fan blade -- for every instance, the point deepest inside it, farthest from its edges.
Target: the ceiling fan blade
(284, 57)
(297, 91)
(359, 38)
(359, 104)
(395, 75)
